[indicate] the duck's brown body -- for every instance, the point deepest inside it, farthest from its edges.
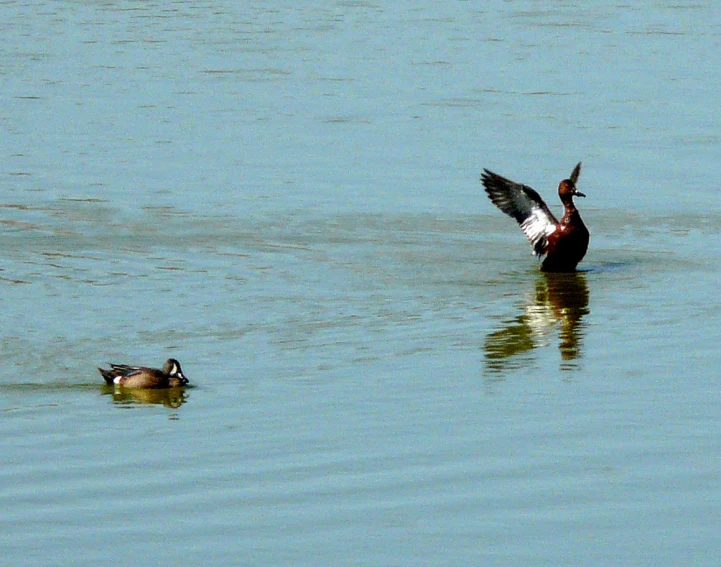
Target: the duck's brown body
(567, 245)
(171, 376)
(563, 243)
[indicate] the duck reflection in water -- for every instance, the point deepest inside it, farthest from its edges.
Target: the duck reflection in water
(560, 301)
(168, 397)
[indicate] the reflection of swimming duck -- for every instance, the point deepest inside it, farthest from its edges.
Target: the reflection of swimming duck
(171, 376)
(560, 301)
(563, 243)
(168, 397)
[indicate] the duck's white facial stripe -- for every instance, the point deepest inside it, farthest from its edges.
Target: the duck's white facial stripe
(117, 379)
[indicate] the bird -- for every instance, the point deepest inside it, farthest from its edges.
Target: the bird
(170, 376)
(564, 243)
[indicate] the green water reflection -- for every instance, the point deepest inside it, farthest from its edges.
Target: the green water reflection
(168, 397)
(557, 304)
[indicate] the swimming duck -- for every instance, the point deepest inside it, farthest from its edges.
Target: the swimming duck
(563, 243)
(171, 375)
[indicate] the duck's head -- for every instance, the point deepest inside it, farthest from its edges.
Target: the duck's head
(567, 187)
(172, 369)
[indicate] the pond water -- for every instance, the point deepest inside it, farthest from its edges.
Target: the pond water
(286, 198)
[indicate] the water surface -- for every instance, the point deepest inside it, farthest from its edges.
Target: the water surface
(286, 199)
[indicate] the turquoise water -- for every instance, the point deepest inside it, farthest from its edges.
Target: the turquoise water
(286, 199)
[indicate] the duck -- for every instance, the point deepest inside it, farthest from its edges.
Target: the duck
(170, 376)
(562, 244)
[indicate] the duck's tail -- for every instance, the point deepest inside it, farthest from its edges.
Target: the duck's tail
(107, 375)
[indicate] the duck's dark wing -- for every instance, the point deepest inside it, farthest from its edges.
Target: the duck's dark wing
(523, 204)
(124, 369)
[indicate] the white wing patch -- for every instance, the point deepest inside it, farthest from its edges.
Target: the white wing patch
(537, 228)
